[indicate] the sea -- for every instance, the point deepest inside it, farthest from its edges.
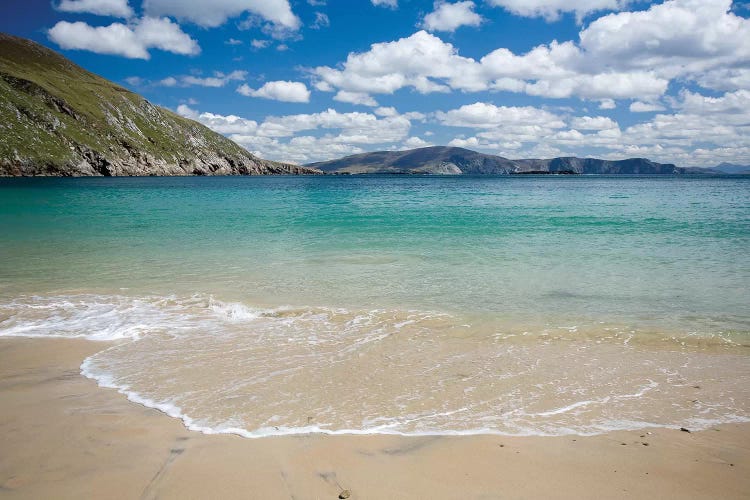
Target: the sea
(394, 304)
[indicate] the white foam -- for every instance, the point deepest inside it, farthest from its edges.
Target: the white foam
(114, 317)
(234, 311)
(122, 317)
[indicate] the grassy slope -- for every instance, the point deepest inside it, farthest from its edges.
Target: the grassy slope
(52, 110)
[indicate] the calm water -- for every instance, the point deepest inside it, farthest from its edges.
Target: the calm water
(394, 303)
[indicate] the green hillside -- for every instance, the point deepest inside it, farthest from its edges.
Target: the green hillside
(58, 119)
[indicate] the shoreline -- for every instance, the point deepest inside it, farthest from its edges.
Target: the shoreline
(63, 436)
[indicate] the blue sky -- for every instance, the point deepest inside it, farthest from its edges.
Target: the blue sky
(308, 80)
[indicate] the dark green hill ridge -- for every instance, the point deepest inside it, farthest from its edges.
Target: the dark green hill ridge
(58, 119)
(451, 160)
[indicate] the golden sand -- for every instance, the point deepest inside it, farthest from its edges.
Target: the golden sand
(61, 436)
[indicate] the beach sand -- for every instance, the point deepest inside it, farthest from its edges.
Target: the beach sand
(61, 436)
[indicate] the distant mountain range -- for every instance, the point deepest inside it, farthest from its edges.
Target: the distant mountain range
(731, 168)
(450, 160)
(58, 119)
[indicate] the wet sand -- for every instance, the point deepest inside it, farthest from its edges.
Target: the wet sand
(61, 436)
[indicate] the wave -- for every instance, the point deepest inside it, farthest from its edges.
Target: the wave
(230, 368)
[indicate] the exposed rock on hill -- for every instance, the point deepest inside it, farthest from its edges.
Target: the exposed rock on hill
(58, 119)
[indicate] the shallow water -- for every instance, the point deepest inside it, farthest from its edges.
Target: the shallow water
(415, 305)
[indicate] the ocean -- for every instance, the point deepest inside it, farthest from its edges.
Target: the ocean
(416, 305)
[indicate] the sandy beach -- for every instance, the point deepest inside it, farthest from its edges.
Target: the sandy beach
(61, 436)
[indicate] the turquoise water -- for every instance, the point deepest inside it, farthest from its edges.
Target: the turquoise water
(645, 249)
(517, 305)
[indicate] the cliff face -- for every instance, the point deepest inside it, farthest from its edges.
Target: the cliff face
(448, 160)
(61, 120)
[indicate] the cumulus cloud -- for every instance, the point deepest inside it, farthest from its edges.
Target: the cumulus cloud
(485, 115)
(593, 123)
(321, 21)
(114, 8)
(229, 124)
(132, 41)
(624, 55)
(355, 98)
(425, 63)
(645, 107)
(414, 142)
(169, 81)
(451, 16)
(215, 13)
(551, 9)
(279, 91)
(260, 44)
(218, 79)
(728, 106)
(276, 137)
(385, 3)
(386, 111)
(677, 38)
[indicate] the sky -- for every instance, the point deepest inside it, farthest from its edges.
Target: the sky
(311, 80)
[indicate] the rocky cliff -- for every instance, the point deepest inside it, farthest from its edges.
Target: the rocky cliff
(58, 119)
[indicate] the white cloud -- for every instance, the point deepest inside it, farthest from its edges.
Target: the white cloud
(625, 55)
(726, 107)
(187, 112)
(607, 104)
(275, 137)
(415, 61)
(260, 44)
(725, 79)
(427, 64)
(216, 12)
(355, 98)
(169, 81)
(135, 81)
(279, 91)
(675, 38)
(451, 16)
(230, 124)
(460, 142)
(132, 41)
(218, 80)
(645, 107)
(415, 142)
(487, 116)
(385, 3)
(593, 123)
(115, 8)
(551, 9)
(233, 41)
(321, 21)
(386, 111)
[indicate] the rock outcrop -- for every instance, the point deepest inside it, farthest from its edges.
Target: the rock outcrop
(57, 119)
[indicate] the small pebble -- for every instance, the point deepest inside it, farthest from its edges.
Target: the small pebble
(683, 429)
(644, 444)
(345, 494)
